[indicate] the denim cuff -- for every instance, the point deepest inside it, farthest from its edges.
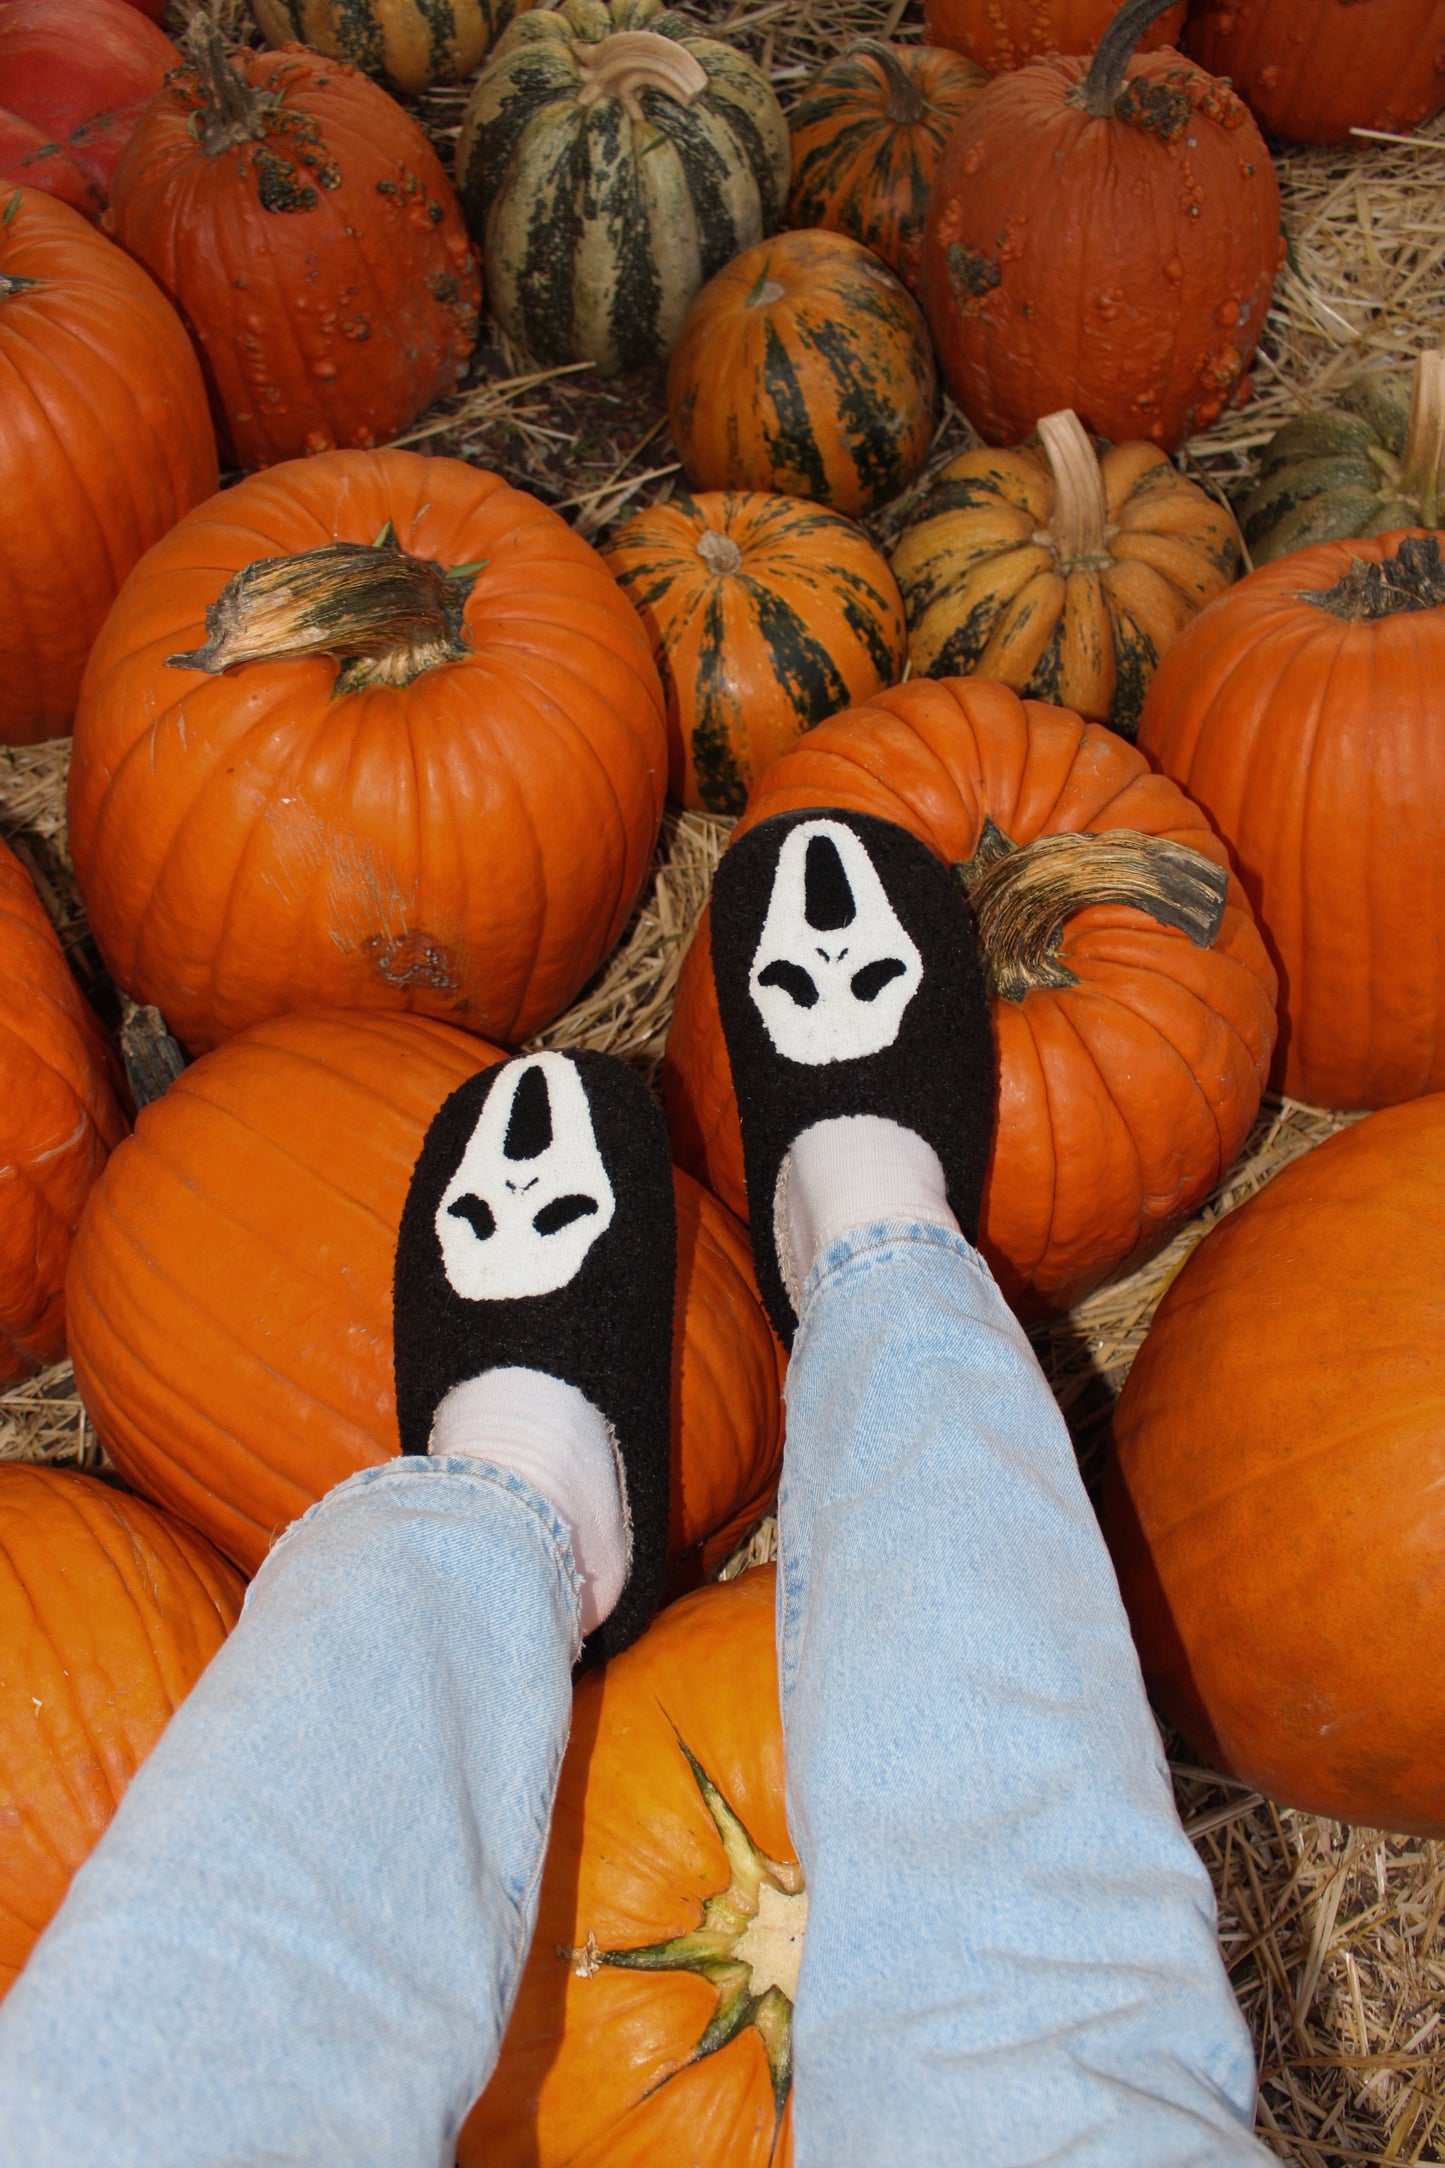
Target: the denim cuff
(878, 1240)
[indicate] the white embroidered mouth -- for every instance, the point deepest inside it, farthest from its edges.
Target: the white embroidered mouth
(834, 968)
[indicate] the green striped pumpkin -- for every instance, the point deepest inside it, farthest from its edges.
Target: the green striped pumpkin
(404, 45)
(610, 162)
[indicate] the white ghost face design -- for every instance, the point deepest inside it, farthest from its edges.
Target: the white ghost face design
(531, 1195)
(834, 969)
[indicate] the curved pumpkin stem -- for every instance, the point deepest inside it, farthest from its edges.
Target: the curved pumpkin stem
(1079, 523)
(1422, 468)
(907, 105)
(631, 61)
(1413, 579)
(231, 112)
(1022, 898)
(1098, 94)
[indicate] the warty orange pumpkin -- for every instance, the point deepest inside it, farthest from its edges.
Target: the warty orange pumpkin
(1314, 69)
(1004, 34)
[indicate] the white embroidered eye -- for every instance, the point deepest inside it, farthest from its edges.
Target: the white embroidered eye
(531, 1195)
(835, 968)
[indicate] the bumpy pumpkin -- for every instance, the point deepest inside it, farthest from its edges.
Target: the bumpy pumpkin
(804, 367)
(419, 762)
(1302, 712)
(109, 1612)
(611, 160)
(266, 1186)
(58, 1120)
(1274, 1498)
(868, 133)
(1004, 34)
(1102, 235)
(1373, 462)
(1133, 1002)
(405, 45)
(1059, 573)
(82, 72)
(104, 442)
(654, 2019)
(766, 614)
(1314, 69)
(302, 225)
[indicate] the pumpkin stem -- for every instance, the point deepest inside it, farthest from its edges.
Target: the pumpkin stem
(231, 111)
(386, 616)
(1098, 94)
(1022, 898)
(152, 1058)
(907, 105)
(719, 553)
(1422, 468)
(1079, 522)
(1413, 579)
(12, 283)
(632, 61)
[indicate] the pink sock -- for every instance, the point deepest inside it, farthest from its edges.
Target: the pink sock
(844, 1173)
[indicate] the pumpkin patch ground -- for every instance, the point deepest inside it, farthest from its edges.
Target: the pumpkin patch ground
(1332, 1933)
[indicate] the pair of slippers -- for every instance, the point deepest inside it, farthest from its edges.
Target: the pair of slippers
(538, 1230)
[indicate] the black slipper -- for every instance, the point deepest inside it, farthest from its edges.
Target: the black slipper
(539, 1230)
(849, 982)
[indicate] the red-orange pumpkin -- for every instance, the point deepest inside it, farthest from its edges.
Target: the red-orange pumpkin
(423, 775)
(58, 1120)
(1276, 1499)
(109, 1612)
(1003, 34)
(82, 72)
(230, 1291)
(1131, 1060)
(1102, 236)
(301, 222)
(1315, 69)
(29, 159)
(674, 1745)
(104, 442)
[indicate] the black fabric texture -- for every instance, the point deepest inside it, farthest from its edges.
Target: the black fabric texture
(939, 1077)
(608, 1331)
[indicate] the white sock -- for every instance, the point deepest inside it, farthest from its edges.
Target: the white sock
(549, 1433)
(843, 1173)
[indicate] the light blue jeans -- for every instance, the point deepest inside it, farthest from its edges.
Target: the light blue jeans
(299, 1940)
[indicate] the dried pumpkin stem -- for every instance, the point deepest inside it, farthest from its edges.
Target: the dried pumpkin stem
(1422, 468)
(1412, 579)
(632, 61)
(907, 106)
(1078, 525)
(1098, 94)
(719, 553)
(232, 111)
(1022, 899)
(386, 616)
(12, 283)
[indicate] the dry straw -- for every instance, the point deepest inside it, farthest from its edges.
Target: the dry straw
(1332, 1936)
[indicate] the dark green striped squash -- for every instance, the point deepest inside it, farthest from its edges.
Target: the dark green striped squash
(1372, 463)
(611, 160)
(405, 45)
(805, 367)
(766, 615)
(868, 133)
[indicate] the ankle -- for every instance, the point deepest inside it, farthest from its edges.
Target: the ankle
(845, 1173)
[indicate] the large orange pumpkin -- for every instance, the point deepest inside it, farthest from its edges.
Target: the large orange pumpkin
(425, 774)
(1004, 34)
(1315, 69)
(58, 1120)
(302, 224)
(230, 1291)
(676, 1752)
(1104, 236)
(1131, 1052)
(1303, 712)
(109, 1612)
(1276, 1500)
(104, 442)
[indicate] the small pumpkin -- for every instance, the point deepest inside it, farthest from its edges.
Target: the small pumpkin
(230, 1290)
(766, 614)
(370, 730)
(1060, 572)
(1302, 712)
(1311, 70)
(1273, 1498)
(1004, 34)
(82, 72)
(611, 160)
(1372, 462)
(29, 159)
(867, 134)
(302, 225)
(1102, 235)
(804, 367)
(109, 1612)
(405, 45)
(1132, 1000)
(654, 2018)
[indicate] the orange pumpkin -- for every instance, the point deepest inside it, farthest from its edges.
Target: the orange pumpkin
(676, 1749)
(804, 366)
(109, 1613)
(58, 1120)
(422, 770)
(1004, 34)
(766, 614)
(1104, 236)
(104, 442)
(1276, 1499)
(1302, 712)
(1314, 69)
(1133, 1001)
(230, 1290)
